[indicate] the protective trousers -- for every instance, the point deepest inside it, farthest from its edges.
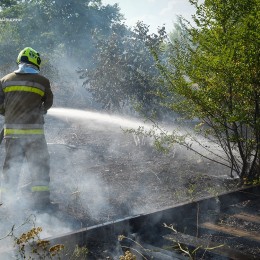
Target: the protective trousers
(35, 151)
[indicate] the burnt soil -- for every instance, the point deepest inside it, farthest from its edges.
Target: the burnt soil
(102, 173)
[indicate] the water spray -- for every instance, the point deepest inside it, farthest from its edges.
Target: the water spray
(95, 116)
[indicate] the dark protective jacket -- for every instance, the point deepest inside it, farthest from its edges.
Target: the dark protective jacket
(24, 98)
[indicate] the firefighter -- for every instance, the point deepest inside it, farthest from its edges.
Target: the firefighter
(25, 96)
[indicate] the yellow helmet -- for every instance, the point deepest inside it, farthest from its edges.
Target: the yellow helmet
(29, 55)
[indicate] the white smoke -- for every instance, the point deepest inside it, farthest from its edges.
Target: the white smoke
(81, 172)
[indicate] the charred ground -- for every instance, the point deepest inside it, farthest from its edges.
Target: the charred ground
(101, 173)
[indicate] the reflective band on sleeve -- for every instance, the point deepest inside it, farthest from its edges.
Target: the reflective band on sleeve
(23, 83)
(23, 131)
(25, 89)
(40, 188)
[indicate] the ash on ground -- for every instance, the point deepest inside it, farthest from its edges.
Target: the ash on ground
(100, 173)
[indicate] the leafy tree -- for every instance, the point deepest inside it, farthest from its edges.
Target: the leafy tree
(8, 3)
(213, 70)
(123, 73)
(65, 25)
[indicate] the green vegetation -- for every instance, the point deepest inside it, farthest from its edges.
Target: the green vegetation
(211, 74)
(124, 73)
(60, 30)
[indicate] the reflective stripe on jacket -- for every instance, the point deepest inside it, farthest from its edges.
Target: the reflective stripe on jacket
(24, 85)
(23, 88)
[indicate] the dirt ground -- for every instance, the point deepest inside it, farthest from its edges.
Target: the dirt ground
(102, 173)
(99, 173)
